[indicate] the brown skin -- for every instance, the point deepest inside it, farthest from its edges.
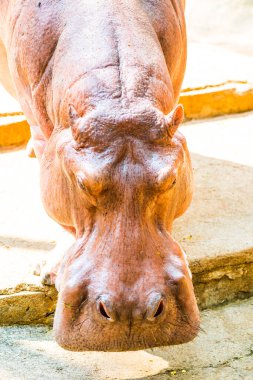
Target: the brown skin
(101, 80)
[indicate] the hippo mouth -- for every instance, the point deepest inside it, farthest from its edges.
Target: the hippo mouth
(119, 338)
(85, 330)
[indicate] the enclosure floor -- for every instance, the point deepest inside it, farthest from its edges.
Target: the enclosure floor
(223, 350)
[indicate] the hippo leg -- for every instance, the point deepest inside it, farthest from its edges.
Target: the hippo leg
(48, 269)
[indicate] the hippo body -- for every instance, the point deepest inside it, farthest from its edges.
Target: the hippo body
(99, 83)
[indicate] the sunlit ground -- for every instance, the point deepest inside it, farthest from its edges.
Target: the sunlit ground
(221, 351)
(227, 138)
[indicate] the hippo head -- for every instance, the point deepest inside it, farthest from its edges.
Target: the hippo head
(118, 184)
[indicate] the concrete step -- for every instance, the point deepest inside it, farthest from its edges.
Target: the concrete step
(223, 350)
(216, 232)
(215, 100)
(14, 131)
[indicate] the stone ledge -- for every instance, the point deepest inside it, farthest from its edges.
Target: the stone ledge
(230, 282)
(14, 130)
(28, 307)
(216, 100)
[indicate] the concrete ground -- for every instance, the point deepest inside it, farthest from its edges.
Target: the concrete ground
(222, 351)
(220, 35)
(226, 23)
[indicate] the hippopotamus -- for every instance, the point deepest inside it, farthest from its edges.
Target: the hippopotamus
(99, 84)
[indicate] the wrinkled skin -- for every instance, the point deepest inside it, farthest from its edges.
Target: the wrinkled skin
(99, 82)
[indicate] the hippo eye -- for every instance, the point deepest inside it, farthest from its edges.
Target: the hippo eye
(81, 184)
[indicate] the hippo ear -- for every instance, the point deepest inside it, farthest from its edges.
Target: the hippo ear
(73, 114)
(174, 119)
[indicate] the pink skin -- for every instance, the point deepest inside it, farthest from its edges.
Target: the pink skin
(115, 171)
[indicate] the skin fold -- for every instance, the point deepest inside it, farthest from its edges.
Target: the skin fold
(99, 83)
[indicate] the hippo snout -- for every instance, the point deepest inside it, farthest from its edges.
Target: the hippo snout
(147, 313)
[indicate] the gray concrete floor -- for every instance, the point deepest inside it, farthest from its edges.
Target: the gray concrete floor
(223, 350)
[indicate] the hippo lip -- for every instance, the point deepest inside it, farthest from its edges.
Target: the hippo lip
(122, 338)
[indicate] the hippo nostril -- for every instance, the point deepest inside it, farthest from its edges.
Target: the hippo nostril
(106, 311)
(155, 307)
(102, 310)
(159, 309)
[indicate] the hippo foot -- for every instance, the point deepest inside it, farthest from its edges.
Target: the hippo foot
(47, 272)
(48, 269)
